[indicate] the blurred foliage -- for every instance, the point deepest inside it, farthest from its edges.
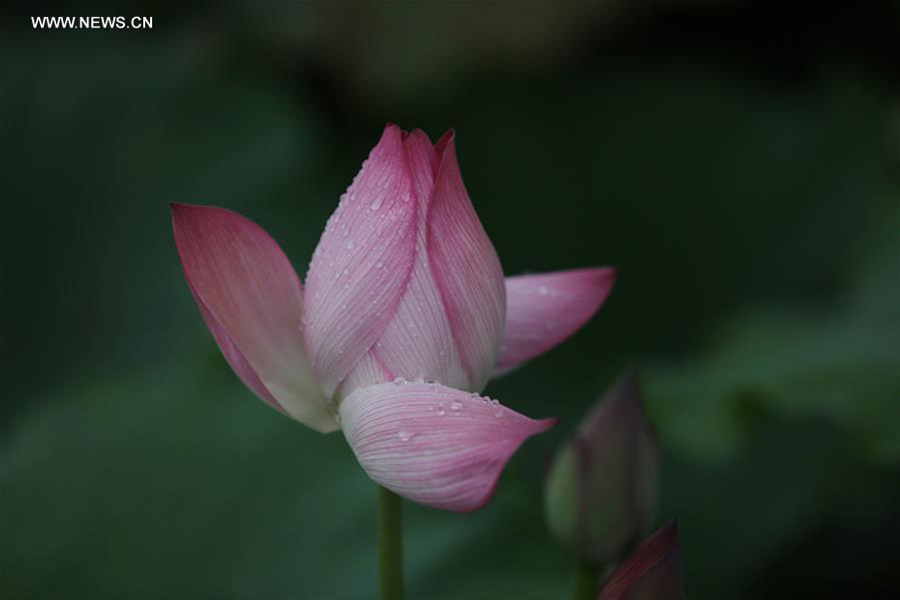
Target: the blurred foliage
(838, 363)
(747, 194)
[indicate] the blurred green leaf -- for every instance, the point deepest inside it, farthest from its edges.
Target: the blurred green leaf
(839, 364)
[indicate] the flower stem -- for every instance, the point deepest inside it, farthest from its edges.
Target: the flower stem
(586, 575)
(390, 545)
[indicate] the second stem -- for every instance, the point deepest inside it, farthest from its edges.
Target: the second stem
(390, 544)
(586, 579)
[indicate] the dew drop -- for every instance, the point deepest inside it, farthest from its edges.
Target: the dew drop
(350, 245)
(497, 412)
(456, 407)
(440, 409)
(404, 435)
(544, 290)
(376, 204)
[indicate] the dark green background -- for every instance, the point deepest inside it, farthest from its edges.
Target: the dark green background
(737, 163)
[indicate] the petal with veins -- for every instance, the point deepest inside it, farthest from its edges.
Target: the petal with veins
(361, 267)
(434, 445)
(251, 300)
(543, 310)
(467, 271)
(418, 342)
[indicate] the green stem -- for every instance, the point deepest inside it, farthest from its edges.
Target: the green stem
(390, 545)
(586, 575)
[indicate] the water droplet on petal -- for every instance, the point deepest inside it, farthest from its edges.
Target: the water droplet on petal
(404, 435)
(440, 409)
(544, 290)
(376, 204)
(456, 406)
(350, 245)
(497, 411)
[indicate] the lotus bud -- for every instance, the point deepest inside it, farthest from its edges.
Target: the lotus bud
(652, 572)
(601, 491)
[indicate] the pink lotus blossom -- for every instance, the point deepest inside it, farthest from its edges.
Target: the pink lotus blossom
(403, 319)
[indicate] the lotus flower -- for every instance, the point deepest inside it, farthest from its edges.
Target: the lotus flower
(653, 572)
(403, 319)
(602, 488)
